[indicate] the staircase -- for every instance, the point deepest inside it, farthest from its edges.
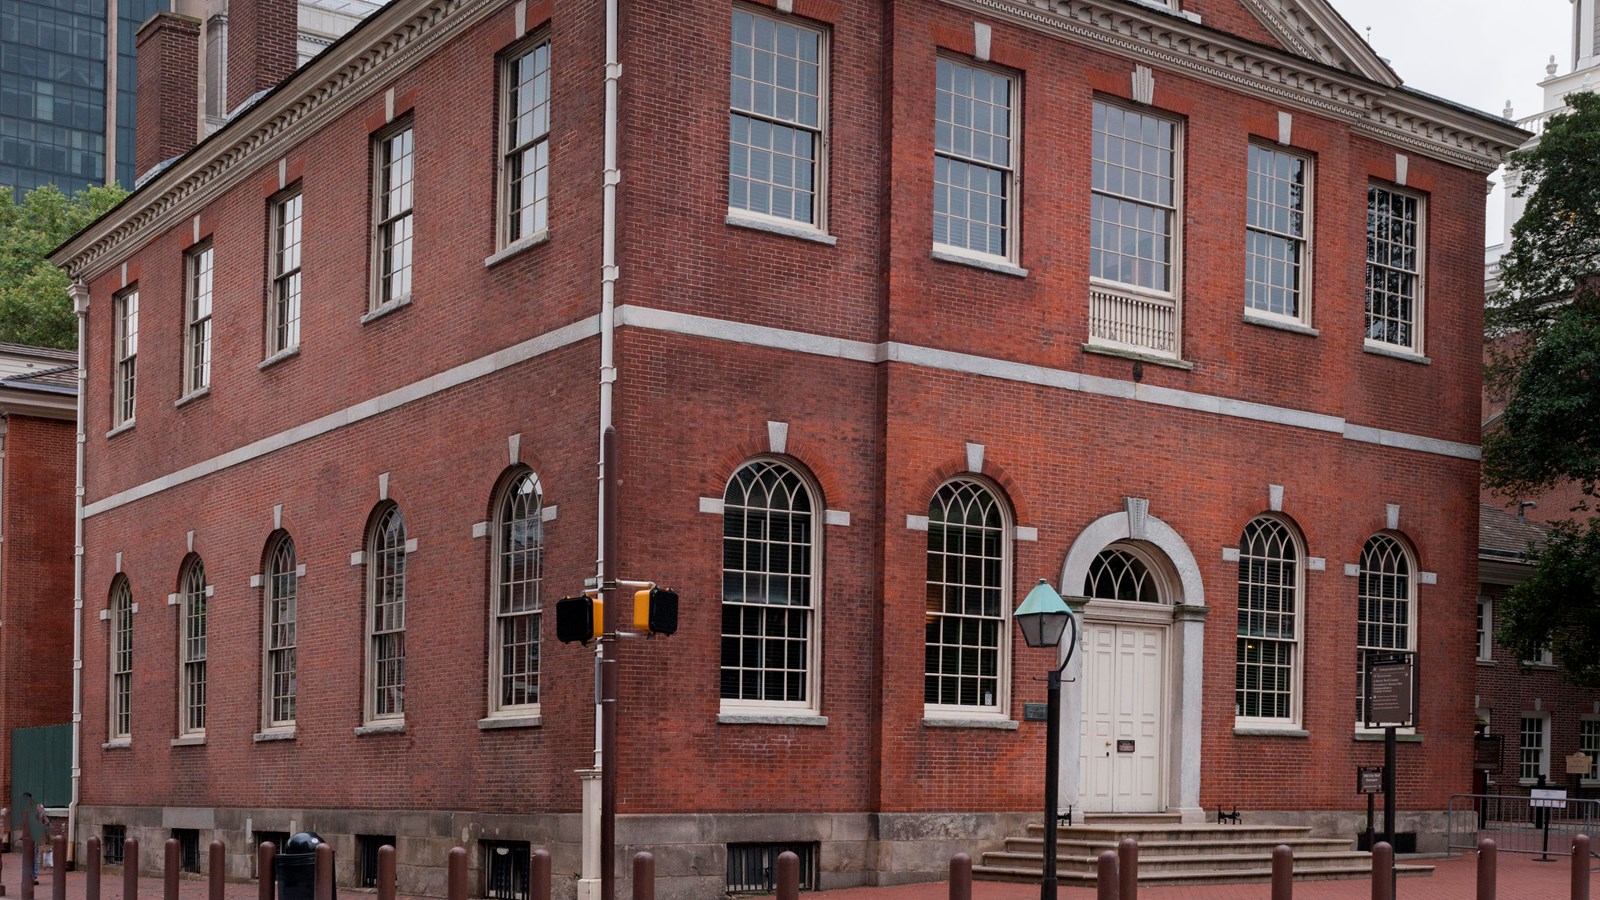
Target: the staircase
(1174, 853)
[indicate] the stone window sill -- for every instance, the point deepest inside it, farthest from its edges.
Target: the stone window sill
(279, 357)
(118, 744)
(988, 264)
(1403, 737)
(1137, 356)
(803, 232)
(1252, 318)
(1486, 663)
(124, 427)
(771, 719)
(191, 740)
(387, 308)
(516, 247)
(1262, 731)
(495, 723)
(382, 728)
(995, 724)
(262, 737)
(186, 399)
(1380, 349)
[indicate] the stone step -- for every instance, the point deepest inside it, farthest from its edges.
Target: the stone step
(1195, 876)
(1160, 864)
(1144, 833)
(1121, 819)
(1184, 848)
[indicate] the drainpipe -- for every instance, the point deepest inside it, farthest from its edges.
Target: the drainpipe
(590, 883)
(80, 305)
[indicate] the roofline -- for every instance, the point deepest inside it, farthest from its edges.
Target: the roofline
(39, 404)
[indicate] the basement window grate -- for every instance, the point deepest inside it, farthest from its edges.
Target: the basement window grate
(505, 869)
(188, 849)
(753, 868)
(276, 838)
(367, 849)
(111, 839)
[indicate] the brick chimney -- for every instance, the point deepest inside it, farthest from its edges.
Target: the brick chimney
(262, 46)
(167, 94)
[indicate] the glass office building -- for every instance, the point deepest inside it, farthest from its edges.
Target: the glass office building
(53, 93)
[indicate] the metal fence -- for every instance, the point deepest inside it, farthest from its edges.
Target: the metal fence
(1519, 827)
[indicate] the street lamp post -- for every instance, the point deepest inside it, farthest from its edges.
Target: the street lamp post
(1044, 617)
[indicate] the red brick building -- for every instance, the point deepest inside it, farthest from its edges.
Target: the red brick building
(898, 308)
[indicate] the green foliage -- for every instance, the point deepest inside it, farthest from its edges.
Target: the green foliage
(34, 306)
(1559, 607)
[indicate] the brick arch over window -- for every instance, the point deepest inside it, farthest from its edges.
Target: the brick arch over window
(515, 603)
(193, 620)
(810, 457)
(771, 587)
(968, 599)
(997, 475)
(280, 639)
(386, 615)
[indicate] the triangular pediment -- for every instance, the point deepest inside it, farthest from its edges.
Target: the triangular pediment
(1313, 29)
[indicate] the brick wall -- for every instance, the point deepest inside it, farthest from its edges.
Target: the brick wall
(261, 46)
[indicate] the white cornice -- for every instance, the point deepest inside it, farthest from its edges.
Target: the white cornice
(1400, 118)
(1314, 29)
(379, 50)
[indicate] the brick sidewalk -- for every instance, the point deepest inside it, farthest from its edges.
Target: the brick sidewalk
(1520, 878)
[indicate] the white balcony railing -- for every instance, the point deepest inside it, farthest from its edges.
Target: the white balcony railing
(1138, 321)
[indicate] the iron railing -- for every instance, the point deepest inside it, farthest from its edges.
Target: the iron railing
(1517, 826)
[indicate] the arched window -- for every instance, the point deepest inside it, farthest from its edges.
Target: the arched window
(1120, 573)
(1266, 677)
(515, 604)
(769, 590)
(386, 616)
(192, 649)
(1384, 615)
(967, 600)
(280, 638)
(121, 664)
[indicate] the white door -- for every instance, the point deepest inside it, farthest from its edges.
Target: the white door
(1124, 674)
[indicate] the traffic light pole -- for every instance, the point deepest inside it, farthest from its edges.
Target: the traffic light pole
(608, 667)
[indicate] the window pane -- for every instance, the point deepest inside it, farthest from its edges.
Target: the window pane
(1134, 172)
(775, 121)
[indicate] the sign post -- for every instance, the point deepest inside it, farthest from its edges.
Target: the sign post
(1391, 703)
(1369, 781)
(1544, 802)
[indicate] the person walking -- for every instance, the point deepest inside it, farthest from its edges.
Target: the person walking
(37, 821)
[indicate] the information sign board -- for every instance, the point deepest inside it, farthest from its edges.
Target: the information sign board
(1391, 691)
(1579, 763)
(1547, 798)
(1369, 779)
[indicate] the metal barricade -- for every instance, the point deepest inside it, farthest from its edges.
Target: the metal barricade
(1517, 826)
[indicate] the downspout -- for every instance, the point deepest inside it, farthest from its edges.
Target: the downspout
(80, 305)
(589, 884)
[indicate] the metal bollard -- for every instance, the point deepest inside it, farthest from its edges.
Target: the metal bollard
(169, 870)
(1283, 872)
(91, 875)
(456, 887)
(217, 870)
(386, 872)
(961, 877)
(539, 875)
(644, 876)
(130, 868)
(1128, 867)
(1580, 867)
(1486, 869)
(1106, 876)
(1382, 871)
(788, 876)
(30, 860)
(266, 870)
(324, 872)
(58, 867)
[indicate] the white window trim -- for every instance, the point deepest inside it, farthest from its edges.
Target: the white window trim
(820, 174)
(375, 298)
(1308, 253)
(1420, 307)
(191, 262)
(1013, 171)
(369, 715)
(268, 724)
(1544, 763)
(1581, 719)
(113, 733)
(1486, 639)
(505, 64)
(278, 276)
(1296, 719)
(522, 711)
(1002, 707)
(812, 706)
(1412, 582)
(120, 395)
(183, 608)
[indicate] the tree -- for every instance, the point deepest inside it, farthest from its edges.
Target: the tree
(1543, 325)
(34, 306)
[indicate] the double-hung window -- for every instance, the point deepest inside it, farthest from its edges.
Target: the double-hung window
(395, 152)
(197, 344)
(192, 650)
(525, 137)
(1385, 621)
(968, 603)
(127, 357)
(1534, 747)
(1395, 221)
(283, 307)
(516, 608)
(974, 161)
(1267, 656)
(776, 122)
(1589, 743)
(1277, 223)
(1134, 230)
(120, 707)
(281, 640)
(386, 618)
(1485, 629)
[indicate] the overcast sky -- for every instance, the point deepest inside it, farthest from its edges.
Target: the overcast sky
(1478, 52)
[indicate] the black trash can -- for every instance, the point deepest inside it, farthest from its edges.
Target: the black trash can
(296, 866)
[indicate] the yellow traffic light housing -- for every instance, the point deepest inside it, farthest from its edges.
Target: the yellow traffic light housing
(655, 610)
(580, 619)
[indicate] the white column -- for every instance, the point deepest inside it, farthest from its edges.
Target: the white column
(1189, 623)
(589, 883)
(1068, 778)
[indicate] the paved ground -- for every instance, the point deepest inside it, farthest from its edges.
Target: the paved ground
(1453, 879)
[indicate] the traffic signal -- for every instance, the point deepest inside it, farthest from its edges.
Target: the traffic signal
(580, 619)
(656, 610)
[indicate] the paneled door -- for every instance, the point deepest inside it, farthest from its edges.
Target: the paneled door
(1124, 717)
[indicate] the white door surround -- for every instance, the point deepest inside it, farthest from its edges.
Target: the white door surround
(1185, 611)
